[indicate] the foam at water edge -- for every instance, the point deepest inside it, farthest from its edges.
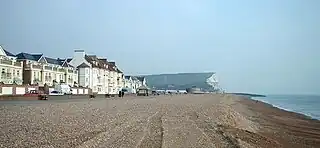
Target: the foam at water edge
(287, 109)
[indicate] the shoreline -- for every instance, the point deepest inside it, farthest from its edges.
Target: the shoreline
(284, 109)
(300, 130)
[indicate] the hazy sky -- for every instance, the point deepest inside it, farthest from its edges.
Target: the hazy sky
(263, 46)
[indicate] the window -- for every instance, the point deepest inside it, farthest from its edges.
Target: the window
(34, 74)
(14, 72)
(18, 72)
(87, 80)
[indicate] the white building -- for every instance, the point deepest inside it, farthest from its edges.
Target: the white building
(133, 82)
(117, 78)
(39, 69)
(93, 72)
(142, 80)
(129, 84)
(101, 76)
(11, 69)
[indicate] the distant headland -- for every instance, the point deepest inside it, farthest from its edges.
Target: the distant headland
(248, 94)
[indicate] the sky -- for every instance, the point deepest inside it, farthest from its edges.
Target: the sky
(265, 46)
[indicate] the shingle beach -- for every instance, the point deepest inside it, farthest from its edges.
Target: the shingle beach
(178, 121)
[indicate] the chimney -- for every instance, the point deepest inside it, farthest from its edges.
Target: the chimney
(104, 60)
(113, 63)
(78, 53)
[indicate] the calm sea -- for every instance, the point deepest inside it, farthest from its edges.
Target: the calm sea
(305, 104)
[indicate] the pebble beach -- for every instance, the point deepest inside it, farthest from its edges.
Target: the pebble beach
(179, 121)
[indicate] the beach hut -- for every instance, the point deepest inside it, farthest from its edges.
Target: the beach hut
(143, 91)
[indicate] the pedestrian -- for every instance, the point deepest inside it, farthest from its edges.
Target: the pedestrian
(120, 94)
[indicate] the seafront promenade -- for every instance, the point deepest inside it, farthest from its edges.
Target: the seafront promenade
(204, 120)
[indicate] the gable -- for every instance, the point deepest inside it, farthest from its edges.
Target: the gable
(2, 52)
(42, 60)
(75, 62)
(83, 65)
(65, 64)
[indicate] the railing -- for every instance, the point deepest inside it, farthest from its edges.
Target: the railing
(6, 62)
(37, 66)
(9, 75)
(48, 79)
(19, 64)
(48, 67)
(61, 70)
(6, 76)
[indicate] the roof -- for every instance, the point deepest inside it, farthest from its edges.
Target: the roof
(69, 59)
(114, 67)
(127, 77)
(26, 56)
(9, 53)
(135, 78)
(95, 62)
(144, 87)
(119, 71)
(37, 56)
(111, 67)
(64, 62)
(141, 78)
(53, 61)
(83, 65)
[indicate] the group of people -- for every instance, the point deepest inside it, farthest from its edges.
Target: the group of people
(121, 93)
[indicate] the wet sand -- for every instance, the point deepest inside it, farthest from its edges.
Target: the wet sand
(162, 121)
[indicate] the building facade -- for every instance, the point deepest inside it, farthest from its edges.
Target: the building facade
(93, 72)
(117, 77)
(132, 83)
(11, 69)
(142, 80)
(39, 69)
(102, 76)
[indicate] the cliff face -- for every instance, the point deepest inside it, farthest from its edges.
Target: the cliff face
(182, 81)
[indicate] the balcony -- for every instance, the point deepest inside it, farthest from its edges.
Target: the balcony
(18, 64)
(48, 78)
(10, 62)
(47, 67)
(6, 62)
(6, 76)
(61, 70)
(37, 66)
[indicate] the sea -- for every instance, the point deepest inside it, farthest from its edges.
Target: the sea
(308, 105)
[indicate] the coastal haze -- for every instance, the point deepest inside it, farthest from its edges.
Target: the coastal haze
(240, 47)
(265, 47)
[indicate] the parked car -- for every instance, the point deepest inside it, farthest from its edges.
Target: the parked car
(56, 93)
(35, 93)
